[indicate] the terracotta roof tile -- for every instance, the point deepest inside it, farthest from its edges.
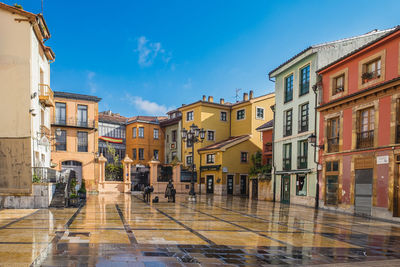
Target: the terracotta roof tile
(225, 142)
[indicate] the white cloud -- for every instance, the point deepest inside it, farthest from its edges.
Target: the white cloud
(148, 52)
(150, 108)
(188, 84)
(92, 85)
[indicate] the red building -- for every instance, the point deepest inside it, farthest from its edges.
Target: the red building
(359, 135)
(266, 131)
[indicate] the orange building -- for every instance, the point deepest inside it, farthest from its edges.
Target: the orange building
(144, 142)
(74, 122)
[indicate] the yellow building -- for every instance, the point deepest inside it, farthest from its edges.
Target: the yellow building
(231, 138)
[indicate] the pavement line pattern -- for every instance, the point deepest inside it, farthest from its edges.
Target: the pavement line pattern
(128, 229)
(237, 225)
(183, 225)
(18, 220)
(43, 255)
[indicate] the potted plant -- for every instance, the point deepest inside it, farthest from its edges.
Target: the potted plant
(82, 191)
(366, 76)
(73, 200)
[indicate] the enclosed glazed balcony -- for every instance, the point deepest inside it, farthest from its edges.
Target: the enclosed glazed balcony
(46, 95)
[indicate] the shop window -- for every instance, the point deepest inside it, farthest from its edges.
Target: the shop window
(301, 185)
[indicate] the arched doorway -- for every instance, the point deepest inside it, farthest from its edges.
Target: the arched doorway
(73, 166)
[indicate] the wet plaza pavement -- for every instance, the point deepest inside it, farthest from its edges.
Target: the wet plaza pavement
(121, 230)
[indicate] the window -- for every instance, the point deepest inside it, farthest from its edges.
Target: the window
(61, 141)
(173, 155)
(398, 120)
(302, 154)
(331, 187)
(301, 185)
(189, 160)
(167, 137)
(155, 133)
(60, 113)
(240, 114)
(189, 116)
(141, 154)
(174, 136)
(304, 80)
(134, 154)
(287, 126)
(134, 132)
(338, 84)
(287, 157)
(210, 135)
(82, 116)
(365, 128)
(243, 157)
(289, 88)
(223, 115)
(303, 122)
(260, 113)
(82, 142)
(333, 127)
(155, 154)
(141, 132)
(371, 70)
(210, 158)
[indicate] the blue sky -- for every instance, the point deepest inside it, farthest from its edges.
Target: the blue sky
(146, 57)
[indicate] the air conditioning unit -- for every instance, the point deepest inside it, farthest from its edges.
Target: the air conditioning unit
(172, 145)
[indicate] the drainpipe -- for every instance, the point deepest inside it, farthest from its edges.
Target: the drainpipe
(199, 173)
(273, 154)
(315, 89)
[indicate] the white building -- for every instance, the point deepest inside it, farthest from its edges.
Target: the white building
(26, 94)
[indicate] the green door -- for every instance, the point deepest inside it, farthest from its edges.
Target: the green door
(285, 192)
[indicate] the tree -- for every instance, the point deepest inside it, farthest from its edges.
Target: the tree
(258, 169)
(114, 170)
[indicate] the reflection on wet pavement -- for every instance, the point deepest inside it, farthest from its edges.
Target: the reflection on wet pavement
(114, 230)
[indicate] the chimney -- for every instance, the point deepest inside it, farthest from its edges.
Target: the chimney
(221, 101)
(251, 94)
(210, 99)
(245, 96)
(204, 98)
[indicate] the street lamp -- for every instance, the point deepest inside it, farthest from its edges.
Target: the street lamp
(192, 136)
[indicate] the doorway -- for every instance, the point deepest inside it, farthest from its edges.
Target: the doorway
(230, 184)
(285, 190)
(210, 184)
(243, 184)
(396, 191)
(363, 192)
(254, 189)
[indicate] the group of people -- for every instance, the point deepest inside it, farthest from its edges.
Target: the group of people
(170, 193)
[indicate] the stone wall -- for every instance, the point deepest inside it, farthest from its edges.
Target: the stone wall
(40, 198)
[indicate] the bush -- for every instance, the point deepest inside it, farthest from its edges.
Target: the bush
(35, 178)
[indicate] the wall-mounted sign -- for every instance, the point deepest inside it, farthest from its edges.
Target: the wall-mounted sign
(224, 169)
(382, 160)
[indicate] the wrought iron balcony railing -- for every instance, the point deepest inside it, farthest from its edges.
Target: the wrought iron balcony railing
(302, 162)
(73, 122)
(287, 130)
(287, 164)
(365, 139)
(303, 125)
(333, 144)
(46, 95)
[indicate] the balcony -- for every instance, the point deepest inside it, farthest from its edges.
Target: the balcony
(45, 131)
(75, 123)
(302, 162)
(365, 139)
(333, 144)
(46, 95)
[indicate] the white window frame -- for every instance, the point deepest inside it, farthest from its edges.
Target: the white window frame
(226, 116)
(212, 157)
(213, 135)
(257, 117)
(155, 130)
(244, 117)
(187, 113)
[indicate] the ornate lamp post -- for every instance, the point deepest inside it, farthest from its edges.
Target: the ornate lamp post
(192, 136)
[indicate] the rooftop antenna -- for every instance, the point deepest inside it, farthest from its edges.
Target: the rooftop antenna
(42, 7)
(237, 94)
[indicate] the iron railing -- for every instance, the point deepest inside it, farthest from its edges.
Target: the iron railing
(365, 139)
(303, 125)
(286, 164)
(333, 144)
(74, 122)
(44, 175)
